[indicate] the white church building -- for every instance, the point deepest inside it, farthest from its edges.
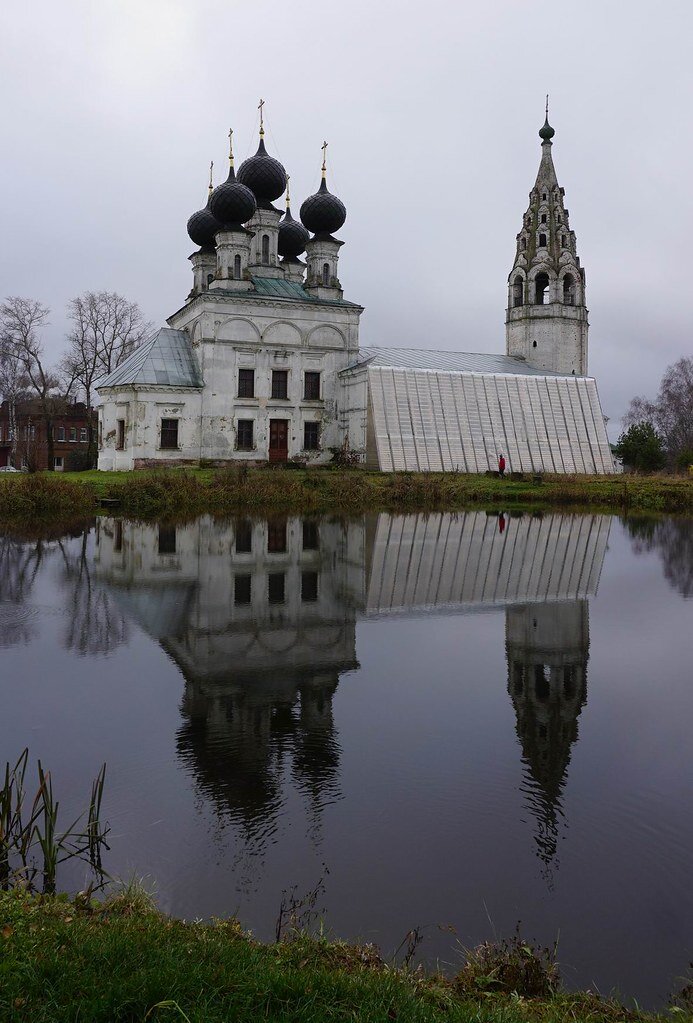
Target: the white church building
(263, 363)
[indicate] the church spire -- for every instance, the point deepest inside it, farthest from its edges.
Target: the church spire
(547, 273)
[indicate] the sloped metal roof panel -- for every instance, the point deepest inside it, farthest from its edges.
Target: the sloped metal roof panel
(167, 359)
(447, 362)
(431, 420)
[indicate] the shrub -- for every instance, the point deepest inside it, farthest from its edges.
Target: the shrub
(641, 447)
(510, 966)
(79, 461)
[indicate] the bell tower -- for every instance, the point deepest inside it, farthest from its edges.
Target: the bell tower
(546, 318)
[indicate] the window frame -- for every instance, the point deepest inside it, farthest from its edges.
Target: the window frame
(246, 382)
(120, 435)
(310, 426)
(243, 425)
(283, 375)
(311, 377)
(169, 430)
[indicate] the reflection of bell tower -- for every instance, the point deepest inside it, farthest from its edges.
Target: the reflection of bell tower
(547, 647)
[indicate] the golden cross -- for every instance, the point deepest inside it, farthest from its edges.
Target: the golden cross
(231, 146)
(324, 158)
(288, 199)
(547, 106)
(262, 125)
(211, 171)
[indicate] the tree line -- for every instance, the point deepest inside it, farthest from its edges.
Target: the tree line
(659, 433)
(104, 329)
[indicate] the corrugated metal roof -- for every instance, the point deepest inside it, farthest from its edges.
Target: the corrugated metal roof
(446, 362)
(167, 358)
(436, 421)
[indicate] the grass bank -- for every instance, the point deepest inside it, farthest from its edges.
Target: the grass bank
(171, 492)
(117, 961)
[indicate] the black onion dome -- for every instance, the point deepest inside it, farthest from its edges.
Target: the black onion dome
(323, 213)
(232, 202)
(202, 227)
(263, 175)
(292, 236)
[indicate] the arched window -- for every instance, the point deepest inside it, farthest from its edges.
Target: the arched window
(541, 288)
(542, 241)
(543, 218)
(265, 249)
(237, 268)
(326, 274)
(568, 290)
(517, 291)
(523, 244)
(563, 242)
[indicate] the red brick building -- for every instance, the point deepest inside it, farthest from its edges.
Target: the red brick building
(26, 445)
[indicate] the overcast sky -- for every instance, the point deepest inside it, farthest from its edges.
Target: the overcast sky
(113, 109)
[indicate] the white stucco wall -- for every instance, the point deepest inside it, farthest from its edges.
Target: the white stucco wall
(142, 409)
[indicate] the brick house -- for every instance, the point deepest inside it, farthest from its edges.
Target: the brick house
(29, 448)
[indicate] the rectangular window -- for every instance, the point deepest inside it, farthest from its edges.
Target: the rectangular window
(311, 436)
(169, 434)
(311, 537)
(309, 586)
(58, 463)
(83, 435)
(167, 539)
(241, 589)
(73, 435)
(244, 435)
(280, 383)
(120, 434)
(244, 537)
(276, 537)
(60, 433)
(275, 587)
(311, 386)
(246, 383)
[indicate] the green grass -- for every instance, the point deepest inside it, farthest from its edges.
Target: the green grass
(181, 492)
(62, 961)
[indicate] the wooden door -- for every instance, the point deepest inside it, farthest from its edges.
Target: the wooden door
(279, 440)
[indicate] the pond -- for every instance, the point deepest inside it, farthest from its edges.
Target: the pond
(455, 722)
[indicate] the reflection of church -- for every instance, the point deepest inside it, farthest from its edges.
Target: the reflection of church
(261, 619)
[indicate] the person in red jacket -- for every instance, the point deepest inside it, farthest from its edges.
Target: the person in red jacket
(501, 466)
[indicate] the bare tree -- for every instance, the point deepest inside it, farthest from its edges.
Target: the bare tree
(21, 323)
(671, 413)
(105, 329)
(12, 389)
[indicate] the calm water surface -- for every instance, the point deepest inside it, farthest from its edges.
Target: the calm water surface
(470, 720)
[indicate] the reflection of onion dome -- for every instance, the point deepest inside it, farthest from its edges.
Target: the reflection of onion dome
(232, 203)
(263, 175)
(203, 225)
(323, 212)
(292, 234)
